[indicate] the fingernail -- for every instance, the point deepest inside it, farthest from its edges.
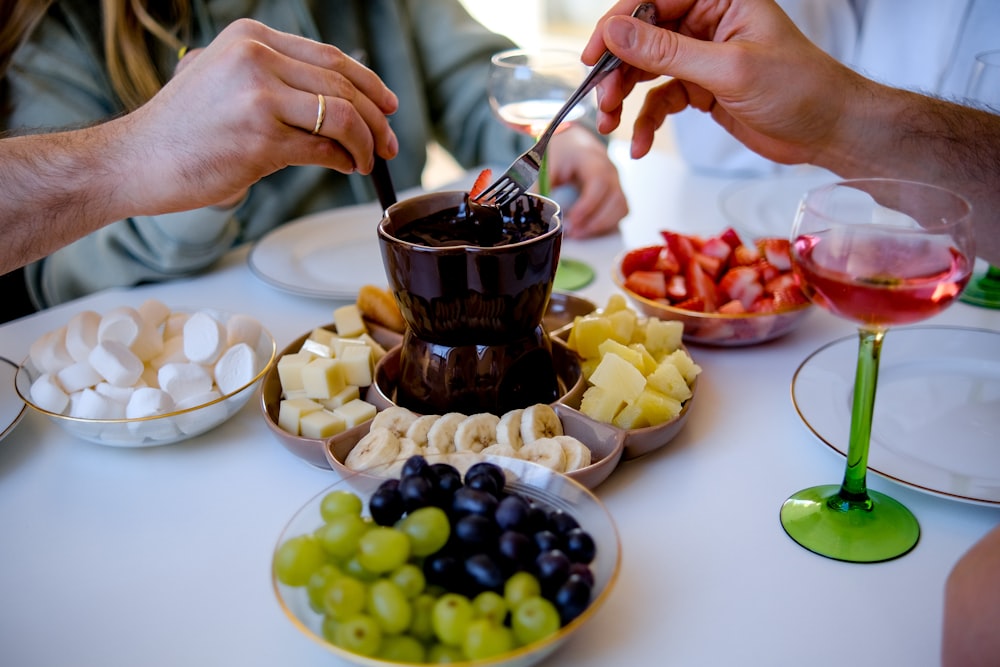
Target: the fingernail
(620, 32)
(394, 145)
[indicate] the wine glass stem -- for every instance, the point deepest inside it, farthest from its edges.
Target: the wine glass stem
(543, 176)
(853, 490)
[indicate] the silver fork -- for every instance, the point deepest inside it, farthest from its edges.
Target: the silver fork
(523, 172)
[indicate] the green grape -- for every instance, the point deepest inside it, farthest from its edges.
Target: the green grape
(340, 502)
(428, 529)
(491, 606)
(353, 567)
(359, 634)
(450, 617)
(440, 654)
(410, 579)
(402, 648)
(383, 549)
(329, 629)
(344, 597)
(388, 605)
(297, 558)
(534, 619)
(519, 587)
(341, 533)
(486, 639)
(422, 624)
(318, 581)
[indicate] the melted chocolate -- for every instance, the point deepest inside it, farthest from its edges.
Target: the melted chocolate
(481, 225)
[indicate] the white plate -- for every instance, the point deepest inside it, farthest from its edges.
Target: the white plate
(937, 408)
(328, 255)
(766, 206)
(11, 406)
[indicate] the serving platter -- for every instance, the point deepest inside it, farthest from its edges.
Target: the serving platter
(937, 408)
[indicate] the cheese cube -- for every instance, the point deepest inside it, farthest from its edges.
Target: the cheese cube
(356, 361)
(291, 411)
(349, 321)
(348, 394)
(377, 350)
(323, 378)
(356, 412)
(290, 370)
(321, 424)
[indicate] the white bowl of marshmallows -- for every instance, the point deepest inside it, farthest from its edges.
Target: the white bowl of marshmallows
(145, 376)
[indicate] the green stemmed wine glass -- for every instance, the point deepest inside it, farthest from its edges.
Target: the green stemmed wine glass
(984, 89)
(526, 89)
(881, 253)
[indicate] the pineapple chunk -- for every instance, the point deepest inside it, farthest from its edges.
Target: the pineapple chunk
(600, 404)
(590, 331)
(667, 379)
(649, 364)
(634, 357)
(323, 378)
(587, 366)
(291, 411)
(663, 336)
(685, 364)
(656, 407)
(617, 375)
(615, 303)
(630, 417)
(349, 322)
(622, 325)
(321, 424)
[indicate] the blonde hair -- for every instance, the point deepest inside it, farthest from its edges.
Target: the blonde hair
(129, 33)
(19, 20)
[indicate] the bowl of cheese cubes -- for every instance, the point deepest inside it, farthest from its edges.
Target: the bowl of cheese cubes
(145, 376)
(316, 390)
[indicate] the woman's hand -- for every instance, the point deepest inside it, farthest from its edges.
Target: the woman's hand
(579, 158)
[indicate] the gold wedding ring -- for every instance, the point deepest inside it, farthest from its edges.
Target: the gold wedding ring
(320, 113)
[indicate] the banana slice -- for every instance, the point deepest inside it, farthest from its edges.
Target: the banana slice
(476, 432)
(380, 447)
(500, 449)
(509, 429)
(462, 461)
(394, 418)
(419, 428)
(539, 421)
(407, 448)
(441, 436)
(545, 451)
(577, 455)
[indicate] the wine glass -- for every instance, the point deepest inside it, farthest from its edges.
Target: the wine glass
(881, 253)
(984, 88)
(526, 89)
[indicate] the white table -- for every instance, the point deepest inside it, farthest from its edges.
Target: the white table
(161, 556)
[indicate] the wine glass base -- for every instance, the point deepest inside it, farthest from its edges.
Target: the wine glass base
(982, 291)
(572, 274)
(885, 531)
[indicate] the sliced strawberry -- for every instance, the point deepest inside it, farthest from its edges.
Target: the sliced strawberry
(718, 248)
(482, 182)
(680, 245)
(666, 262)
(733, 307)
(745, 255)
(640, 259)
(777, 251)
(677, 288)
(789, 297)
(713, 265)
(780, 282)
(741, 283)
(700, 285)
(766, 270)
(695, 303)
(765, 304)
(731, 237)
(650, 284)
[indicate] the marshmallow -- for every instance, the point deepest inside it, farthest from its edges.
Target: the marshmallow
(204, 338)
(149, 343)
(120, 324)
(174, 325)
(88, 404)
(49, 353)
(154, 312)
(242, 329)
(236, 368)
(47, 394)
(116, 363)
(172, 353)
(196, 421)
(116, 394)
(149, 402)
(78, 376)
(184, 380)
(81, 334)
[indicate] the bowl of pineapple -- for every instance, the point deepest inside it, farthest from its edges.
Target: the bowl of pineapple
(638, 375)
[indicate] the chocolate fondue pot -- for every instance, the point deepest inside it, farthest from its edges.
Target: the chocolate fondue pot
(474, 340)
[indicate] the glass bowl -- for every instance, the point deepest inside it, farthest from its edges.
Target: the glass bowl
(164, 429)
(552, 490)
(718, 329)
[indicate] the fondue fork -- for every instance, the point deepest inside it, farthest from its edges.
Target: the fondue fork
(523, 172)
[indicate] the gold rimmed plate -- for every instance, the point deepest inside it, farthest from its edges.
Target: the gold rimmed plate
(937, 408)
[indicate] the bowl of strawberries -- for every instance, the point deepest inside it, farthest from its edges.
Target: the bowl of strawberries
(726, 291)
